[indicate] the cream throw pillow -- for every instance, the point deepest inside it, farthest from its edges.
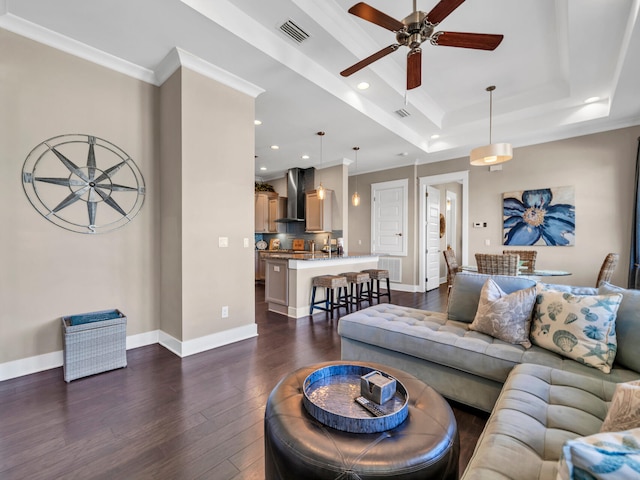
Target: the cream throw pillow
(581, 327)
(505, 316)
(624, 412)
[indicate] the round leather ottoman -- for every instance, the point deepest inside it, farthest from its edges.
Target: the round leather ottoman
(297, 446)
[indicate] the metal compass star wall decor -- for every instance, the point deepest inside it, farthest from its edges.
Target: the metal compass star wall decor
(104, 193)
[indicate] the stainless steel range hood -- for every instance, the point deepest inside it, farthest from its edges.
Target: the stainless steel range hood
(299, 181)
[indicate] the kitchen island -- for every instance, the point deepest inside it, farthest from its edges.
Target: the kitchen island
(288, 280)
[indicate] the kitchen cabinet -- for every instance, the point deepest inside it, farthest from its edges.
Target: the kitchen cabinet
(318, 212)
(269, 207)
(260, 265)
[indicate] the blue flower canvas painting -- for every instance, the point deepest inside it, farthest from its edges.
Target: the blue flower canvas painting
(539, 217)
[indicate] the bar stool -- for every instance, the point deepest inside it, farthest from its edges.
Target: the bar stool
(374, 289)
(329, 283)
(358, 280)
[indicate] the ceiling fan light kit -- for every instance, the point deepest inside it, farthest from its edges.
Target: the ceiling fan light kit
(413, 31)
(493, 153)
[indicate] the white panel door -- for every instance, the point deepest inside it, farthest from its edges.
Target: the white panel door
(389, 217)
(432, 225)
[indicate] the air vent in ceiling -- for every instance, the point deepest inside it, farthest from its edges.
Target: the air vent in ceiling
(293, 31)
(402, 113)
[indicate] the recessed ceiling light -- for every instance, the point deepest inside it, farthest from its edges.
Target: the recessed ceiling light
(274, 147)
(435, 136)
(363, 86)
(263, 168)
(257, 122)
(305, 157)
(403, 154)
(592, 99)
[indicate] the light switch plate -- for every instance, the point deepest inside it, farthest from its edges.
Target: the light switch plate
(246, 243)
(223, 242)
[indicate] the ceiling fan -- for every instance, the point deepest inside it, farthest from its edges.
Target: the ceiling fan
(415, 29)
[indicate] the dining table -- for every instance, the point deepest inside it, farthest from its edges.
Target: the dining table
(535, 273)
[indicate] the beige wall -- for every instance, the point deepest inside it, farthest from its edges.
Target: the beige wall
(601, 168)
(193, 141)
(217, 201)
(45, 271)
(170, 206)
(335, 178)
(360, 217)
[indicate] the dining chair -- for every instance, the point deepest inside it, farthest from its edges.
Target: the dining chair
(607, 268)
(496, 264)
(527, 259)
(452, 266)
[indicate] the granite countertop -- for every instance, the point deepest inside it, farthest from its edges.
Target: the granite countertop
(340, 257)
(312, 257)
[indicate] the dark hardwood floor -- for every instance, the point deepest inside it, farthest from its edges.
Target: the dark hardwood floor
(163, 417)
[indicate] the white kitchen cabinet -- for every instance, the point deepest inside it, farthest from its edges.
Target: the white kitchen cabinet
(318, 212)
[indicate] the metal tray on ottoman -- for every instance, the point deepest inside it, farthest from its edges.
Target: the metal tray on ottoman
(329, 397)
(95, 346)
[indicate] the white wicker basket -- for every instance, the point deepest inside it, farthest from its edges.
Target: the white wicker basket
(94, 347)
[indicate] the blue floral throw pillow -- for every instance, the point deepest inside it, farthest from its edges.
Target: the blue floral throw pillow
(604, 456)
(580, 327)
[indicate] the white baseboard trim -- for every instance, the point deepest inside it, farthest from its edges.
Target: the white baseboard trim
(403, 287)
(142, 339)
(27, 366)
(202, 344)
(47, 361)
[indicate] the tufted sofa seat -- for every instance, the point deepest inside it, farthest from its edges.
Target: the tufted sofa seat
(463, 365)
(539, 409)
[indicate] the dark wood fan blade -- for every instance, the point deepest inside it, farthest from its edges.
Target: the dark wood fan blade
(414, 68)
(372, 15)
(442, 10)
(480, 41)
(370, 59)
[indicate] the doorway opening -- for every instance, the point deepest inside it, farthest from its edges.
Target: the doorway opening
(462, 234)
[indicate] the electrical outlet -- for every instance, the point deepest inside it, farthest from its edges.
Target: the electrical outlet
(225, 311)
(487, 242)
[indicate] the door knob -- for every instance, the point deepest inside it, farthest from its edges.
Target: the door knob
(398, 234)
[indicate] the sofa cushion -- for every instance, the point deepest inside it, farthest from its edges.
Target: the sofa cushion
(431, 336)
(581, 327)
(602, 456)
(465, 292)
(538, 410)
(505, 316)
(624, 412)
(627, 325)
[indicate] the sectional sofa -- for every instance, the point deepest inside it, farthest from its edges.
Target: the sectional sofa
(540, 397)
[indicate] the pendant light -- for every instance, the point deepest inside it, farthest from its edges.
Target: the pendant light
(320, 190)
(355, 198)
(494, 152)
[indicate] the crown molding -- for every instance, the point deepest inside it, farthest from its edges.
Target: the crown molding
(175, 58)
(73, 47)
(178, 57)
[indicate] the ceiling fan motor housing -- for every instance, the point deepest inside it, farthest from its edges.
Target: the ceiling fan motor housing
(415, 29)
